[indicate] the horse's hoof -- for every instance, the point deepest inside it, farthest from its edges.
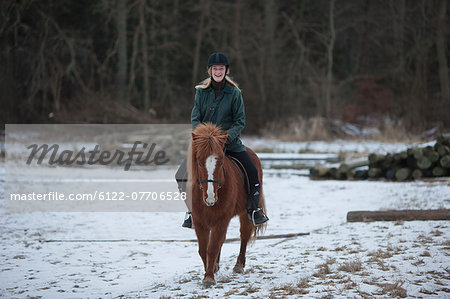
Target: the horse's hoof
(208, 282)
(216, 268)
(238, 269)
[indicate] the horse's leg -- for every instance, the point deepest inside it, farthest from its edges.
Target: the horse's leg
(217, 266)
(202, 239)
(246, 232)
(216, 239)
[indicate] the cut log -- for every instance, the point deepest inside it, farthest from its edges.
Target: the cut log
(375, 158)
(361, 174)
(439, 171)
(390, 174)
(428, 151)
(374, 173)
(403, 174)
(424, 163)
(417, 153)
(388, 162)
(445, 161)
(417, 174)
(405, 215)
(441, 149)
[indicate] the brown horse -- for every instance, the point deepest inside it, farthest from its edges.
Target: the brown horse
(218, 194)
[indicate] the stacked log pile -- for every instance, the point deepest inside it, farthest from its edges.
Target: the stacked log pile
(414, 163)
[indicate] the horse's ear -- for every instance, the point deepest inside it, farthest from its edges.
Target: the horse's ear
(193, 135)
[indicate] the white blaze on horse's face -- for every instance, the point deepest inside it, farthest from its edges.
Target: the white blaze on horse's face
(210, 164)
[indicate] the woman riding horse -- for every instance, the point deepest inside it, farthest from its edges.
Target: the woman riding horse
(219, 100)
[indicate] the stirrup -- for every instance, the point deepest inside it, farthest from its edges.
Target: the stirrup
(253, 216)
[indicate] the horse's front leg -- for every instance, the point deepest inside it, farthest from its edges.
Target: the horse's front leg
(216, 239)
(202, 239)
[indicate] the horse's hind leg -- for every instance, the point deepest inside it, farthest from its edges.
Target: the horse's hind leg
(246, 232)
(217, 267)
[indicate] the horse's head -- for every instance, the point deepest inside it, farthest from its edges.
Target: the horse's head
(208, 142)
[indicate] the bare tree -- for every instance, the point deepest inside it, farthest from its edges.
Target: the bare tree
(330, 49)
(441, 48)
(122, 49)
(144, 50)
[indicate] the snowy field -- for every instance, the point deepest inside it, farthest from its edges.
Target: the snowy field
(149, 255)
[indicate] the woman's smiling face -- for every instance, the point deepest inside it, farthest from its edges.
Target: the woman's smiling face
(218, 72)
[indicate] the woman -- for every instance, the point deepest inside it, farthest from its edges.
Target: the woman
(218, 100)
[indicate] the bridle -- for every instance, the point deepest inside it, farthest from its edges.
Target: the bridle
(211, 181)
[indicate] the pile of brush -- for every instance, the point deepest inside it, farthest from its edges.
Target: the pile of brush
(414, 163)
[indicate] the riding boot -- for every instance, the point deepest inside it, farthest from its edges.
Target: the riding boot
(187, 220)
(255, 213)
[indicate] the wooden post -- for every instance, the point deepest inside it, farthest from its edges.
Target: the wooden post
(395, 215)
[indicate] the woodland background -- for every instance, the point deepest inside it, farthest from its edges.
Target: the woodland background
(136, 61)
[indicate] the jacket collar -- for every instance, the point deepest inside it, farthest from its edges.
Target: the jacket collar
(227, 89)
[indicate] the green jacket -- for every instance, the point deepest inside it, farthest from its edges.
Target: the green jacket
(227, 111)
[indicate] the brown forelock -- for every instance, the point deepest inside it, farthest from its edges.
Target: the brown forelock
(207, 139)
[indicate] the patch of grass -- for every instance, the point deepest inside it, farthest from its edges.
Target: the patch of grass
(394, 250)
(436, 233)
(342, 248)
(425, 239)
(324, 270)
(393, 289)
(289, 289)
(426, 253)
(380, 254)
(303, 283)
(426, 292)
(350, 286)
(351, 267)
(418, 262)
(446, 243)
(299, 288)
(231, 292)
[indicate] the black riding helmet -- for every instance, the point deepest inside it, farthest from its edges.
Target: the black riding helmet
(218, 58)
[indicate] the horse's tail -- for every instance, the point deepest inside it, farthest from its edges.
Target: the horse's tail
(262, 204)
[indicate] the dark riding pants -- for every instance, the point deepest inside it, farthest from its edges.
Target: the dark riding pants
(252, 172)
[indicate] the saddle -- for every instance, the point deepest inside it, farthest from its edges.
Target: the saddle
(242, 172)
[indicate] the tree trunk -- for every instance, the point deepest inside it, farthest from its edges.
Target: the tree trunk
(198, 40)
(144, 50)
(441, 47)
(122, 49)
(330, 61)
(236, 41)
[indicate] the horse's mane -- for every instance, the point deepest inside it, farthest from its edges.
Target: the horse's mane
(207, 139)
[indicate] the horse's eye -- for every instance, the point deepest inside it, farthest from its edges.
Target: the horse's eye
(200, 164)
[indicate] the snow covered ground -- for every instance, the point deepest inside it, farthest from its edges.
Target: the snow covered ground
(149, 255)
